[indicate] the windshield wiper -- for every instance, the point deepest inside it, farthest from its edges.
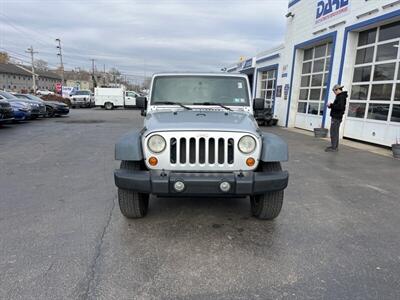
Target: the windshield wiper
(173, 103)
(212, 103)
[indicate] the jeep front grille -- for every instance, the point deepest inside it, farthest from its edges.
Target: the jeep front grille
(202, 150)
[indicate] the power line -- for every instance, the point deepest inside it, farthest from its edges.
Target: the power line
(22, 57)
(14, 53)
(24, 32)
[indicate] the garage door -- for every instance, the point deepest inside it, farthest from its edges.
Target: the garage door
(374, 109)
(313, 83)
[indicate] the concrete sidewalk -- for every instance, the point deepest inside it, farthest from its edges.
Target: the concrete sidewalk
(381, 150)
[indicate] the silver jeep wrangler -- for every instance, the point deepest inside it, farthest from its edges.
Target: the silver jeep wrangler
(200, 139)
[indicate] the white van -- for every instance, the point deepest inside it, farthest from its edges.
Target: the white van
(109, 98)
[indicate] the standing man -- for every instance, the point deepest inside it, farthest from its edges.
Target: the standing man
(337, 110)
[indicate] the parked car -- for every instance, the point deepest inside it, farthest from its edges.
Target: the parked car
(82, 98)
(21, 111)
(53, 108)
(37, 108)
(44, 92)
(200, 139)
(6, 112)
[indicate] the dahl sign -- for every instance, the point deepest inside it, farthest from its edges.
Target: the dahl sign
(331, 9)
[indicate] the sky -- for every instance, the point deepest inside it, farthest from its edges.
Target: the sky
(142, 37)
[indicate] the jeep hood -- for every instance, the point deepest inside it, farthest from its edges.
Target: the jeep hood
(200, 120)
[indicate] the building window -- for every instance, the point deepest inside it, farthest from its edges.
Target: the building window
(375, 90)
(268, 83)
(314, 79)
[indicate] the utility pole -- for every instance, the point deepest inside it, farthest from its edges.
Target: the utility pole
(61, 60)
(93, 77)
(104, 74)
(93, 66)
(30, 50)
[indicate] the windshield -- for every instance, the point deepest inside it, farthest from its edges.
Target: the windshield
(189, 90)
(21, 96)
(82, 93)
(8, 95)
(32, 97)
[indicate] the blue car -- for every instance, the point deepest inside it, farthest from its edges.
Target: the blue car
(21, 111)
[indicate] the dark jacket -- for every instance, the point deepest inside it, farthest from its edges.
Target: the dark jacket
(338, 106)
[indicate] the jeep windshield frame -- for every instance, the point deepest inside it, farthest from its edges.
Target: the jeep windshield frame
(194, 90)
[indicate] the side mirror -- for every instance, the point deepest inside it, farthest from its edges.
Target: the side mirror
(143, 112)
(141, 102)
(259, 104)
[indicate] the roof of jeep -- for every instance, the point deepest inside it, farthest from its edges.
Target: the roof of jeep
(219, 74)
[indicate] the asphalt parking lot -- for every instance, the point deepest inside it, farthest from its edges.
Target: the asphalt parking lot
(62, 235)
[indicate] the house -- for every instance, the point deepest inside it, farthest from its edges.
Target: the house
(19, 78)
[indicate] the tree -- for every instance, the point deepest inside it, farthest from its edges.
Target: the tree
(40, 64)
(4, 58)
(115, 73)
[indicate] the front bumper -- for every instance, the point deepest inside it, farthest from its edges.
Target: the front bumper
(21, 116)
(6, 115)
(62, 111)
(201, 184)
(80, 102)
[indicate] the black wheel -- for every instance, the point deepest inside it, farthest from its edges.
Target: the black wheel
(108, 105)
(133, 205)
(260, 122)
(50, 112)
(267, 206)
(267, 116)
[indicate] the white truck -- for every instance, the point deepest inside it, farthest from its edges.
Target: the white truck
(109, 98)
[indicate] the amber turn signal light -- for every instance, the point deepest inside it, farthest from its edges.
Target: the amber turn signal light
(153, 161)
(250, 161)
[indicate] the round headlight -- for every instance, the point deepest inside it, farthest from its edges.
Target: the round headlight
(247, 144)
(156, 143)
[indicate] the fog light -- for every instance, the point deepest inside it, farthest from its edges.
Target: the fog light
(179, 186)
(153, 161)
(225, 186)
(250, 161)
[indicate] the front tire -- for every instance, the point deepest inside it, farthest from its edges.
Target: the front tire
(108, 105)
(267, 206)
(50, 112)
(132, 204)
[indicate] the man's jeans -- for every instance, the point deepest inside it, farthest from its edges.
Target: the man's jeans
(335, 125)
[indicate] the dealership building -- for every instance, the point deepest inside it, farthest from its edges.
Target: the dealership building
(351, 42)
